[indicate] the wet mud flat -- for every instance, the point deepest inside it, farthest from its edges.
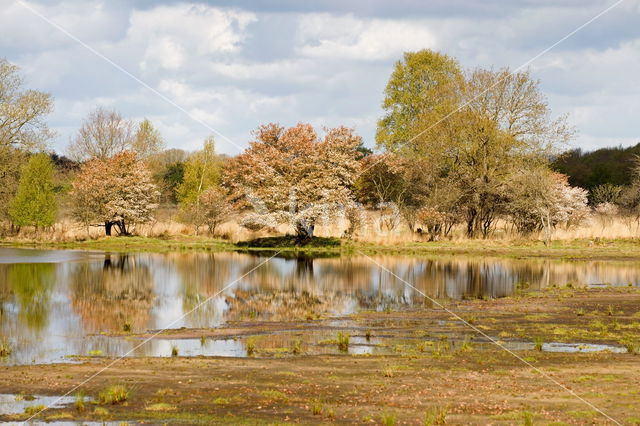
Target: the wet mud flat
(419, 366)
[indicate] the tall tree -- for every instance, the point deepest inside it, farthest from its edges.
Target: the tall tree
(201, 171)
(470, 133)
(291, 176)
(22, 111)
(420, 83)
(103, 134)
(147, 140)
(35, 201)
(116, 191)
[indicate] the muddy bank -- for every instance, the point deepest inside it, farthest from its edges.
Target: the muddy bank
(433, 367)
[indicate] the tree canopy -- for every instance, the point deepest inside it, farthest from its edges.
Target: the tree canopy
(116, 191)
(292, 176)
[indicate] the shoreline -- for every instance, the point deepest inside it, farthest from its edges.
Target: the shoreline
(584, 249)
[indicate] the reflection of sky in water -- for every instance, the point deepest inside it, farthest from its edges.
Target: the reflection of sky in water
(52, 299)
(14, 404)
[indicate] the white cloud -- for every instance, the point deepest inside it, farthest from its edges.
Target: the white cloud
(347, 37)
(25, 30)
(173, 35)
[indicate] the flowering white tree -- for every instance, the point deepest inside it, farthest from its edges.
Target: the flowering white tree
(291, 176)
(540, 200)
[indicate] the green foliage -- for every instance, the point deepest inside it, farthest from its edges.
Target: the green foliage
(35, 201)
(114, 394)
(32, 284)
(5, 348)
(343, 341)
(80, 401)
(11, 162)
(172, 177)
(201, 171)
(603, 166)
(435, 416)
(415, 87)
(605, 193)
(32, 410)
(537, 343)
(388, 419)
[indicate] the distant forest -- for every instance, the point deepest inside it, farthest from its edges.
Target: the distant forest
(590, 169)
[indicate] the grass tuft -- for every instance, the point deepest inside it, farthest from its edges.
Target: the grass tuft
(435, 416)
(343, 341)
(5, 348)
(537, 344)
(388, 419)
(114, 394)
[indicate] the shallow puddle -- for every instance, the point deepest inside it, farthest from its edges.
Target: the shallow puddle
(17, 404)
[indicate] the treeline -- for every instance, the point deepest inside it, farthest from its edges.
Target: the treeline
(457, 149)
(605, 166)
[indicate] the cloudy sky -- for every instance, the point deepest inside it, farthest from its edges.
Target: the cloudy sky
(226, 66)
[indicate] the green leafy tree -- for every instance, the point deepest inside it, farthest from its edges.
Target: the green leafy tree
(35, 201)
(466, 134)
(421, 83)
(201, 171)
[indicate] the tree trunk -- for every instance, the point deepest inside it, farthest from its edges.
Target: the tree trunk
(107, 228)
(304, 231)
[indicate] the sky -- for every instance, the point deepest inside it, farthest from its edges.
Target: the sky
(223, 67)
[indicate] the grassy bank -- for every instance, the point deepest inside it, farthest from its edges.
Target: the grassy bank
(576, 248)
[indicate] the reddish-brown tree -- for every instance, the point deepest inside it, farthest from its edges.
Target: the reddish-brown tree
(291, 176)
(116, 191)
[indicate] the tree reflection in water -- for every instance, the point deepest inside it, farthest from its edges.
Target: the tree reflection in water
(31, 283)
(113, 293)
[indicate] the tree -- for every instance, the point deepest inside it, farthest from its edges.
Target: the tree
(35, 201)
(103, 134)
(167, 168)
(147, 140)
(476, 131)
(213, 208)
(116, 191)
(201, 171)
(22, 111)
(605, 193)
(630, 196)
(540, 200)
(291, 176)
(419, 84)
(11, 162)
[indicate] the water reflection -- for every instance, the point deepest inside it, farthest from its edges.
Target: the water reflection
(51, 301)
(110, 294)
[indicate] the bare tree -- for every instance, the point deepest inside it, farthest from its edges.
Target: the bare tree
(22, 111)
(103, 134)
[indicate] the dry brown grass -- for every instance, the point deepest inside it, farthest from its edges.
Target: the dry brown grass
(167, 225)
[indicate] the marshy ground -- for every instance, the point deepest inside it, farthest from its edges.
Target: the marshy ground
(422, 366)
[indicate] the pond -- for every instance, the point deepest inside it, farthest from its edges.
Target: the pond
(55, 303)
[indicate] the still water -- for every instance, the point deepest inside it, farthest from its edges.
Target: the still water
(56, 303)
